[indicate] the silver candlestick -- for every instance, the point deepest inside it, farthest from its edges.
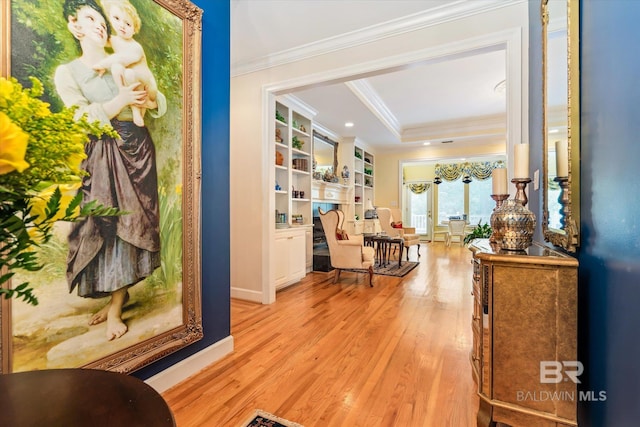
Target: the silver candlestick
(521, 185)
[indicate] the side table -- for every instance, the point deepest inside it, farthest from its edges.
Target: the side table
(382, 250)
(80, 398)
(396, 241)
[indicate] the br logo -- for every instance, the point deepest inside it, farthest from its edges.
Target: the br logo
(553, 372)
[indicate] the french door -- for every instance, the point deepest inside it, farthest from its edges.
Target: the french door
(418, 207)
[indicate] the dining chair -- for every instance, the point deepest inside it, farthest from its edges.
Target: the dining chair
(456, 228)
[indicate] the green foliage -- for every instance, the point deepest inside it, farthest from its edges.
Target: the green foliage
(170, 272)
(481, 231)
(297, 143)
(55, 251)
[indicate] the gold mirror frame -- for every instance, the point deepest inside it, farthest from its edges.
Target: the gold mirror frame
(567, 237)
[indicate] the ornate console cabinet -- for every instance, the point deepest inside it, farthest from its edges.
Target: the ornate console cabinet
(525, 313)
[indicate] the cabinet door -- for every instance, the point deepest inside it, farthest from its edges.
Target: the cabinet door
(281, 259)
(297, 256)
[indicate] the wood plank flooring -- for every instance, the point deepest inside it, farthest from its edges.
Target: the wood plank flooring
(346, 354)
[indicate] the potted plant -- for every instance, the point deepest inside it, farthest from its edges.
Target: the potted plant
(297, 143)
(480, 231)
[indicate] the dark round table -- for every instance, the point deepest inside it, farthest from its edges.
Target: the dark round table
(79, 398)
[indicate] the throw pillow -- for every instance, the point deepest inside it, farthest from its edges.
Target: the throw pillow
(341, 234)
(396, 224)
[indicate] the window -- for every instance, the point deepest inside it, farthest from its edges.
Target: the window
(455, 198)
(450, 199)
(480, 202)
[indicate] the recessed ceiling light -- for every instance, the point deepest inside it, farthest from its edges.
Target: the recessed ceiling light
(426, 143)
(554, 131)
(348, 125)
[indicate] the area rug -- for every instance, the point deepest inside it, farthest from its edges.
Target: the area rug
(392, 268)
(265, 419)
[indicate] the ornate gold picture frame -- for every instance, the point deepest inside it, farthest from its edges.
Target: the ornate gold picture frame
(162, 313)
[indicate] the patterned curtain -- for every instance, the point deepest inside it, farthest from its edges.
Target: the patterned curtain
(478, 170)
(419, 188)
(449, 172)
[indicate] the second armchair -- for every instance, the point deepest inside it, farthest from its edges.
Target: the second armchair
(408, 234)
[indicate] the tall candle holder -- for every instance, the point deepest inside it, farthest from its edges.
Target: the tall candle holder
(495, 238)
(521, 185)
(567, 223)
(563, 199)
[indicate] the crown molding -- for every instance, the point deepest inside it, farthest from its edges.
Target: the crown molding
(322, 129)
(431, 153)
(371, 99)
(474, 127)
(417, 21)
(298, 105)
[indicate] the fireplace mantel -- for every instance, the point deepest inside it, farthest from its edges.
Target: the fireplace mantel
(329, 192)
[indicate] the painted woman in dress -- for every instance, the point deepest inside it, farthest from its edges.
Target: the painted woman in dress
(107, 255)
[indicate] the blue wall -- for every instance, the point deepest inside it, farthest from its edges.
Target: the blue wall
(215, 183)
(610, 253)
(609, 273)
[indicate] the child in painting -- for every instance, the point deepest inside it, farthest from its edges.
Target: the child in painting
(128, 63)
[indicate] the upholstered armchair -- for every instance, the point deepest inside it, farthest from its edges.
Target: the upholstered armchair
(408, 234)
(348, 252)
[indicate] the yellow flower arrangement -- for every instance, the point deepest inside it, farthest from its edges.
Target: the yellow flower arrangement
(40, 157)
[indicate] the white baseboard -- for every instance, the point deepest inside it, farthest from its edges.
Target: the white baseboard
(246, 294)
(190, 366)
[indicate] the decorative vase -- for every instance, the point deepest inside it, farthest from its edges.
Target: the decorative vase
(513, 225)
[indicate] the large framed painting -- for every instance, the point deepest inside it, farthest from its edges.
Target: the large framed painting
(116, 292)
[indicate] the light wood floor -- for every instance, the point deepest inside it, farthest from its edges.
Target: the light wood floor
(348, 355)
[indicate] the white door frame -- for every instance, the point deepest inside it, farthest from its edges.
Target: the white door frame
(510, 39)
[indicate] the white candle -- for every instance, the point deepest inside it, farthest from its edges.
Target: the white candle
(562, 158)
(521, 160)
(499, 181)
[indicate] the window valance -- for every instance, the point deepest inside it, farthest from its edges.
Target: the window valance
(419, 188)
(477, 170)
